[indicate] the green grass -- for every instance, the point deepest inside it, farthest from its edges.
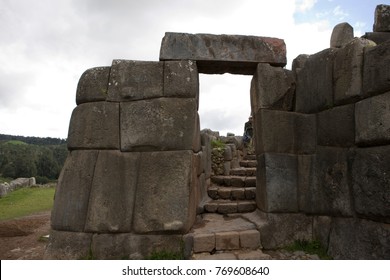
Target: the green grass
(26, 201)
(16, 142)
(165, 255)
(217, 144)
(309, 247)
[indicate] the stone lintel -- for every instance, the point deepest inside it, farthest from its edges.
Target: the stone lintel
(217, 54)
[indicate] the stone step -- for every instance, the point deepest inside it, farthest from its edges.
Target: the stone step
(233, 255)
(232, 193)
(248, 163)
(243, 171)
(222, 206)
(250, 157)
(234, 181)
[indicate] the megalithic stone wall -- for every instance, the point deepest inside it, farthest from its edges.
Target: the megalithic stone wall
(133, 172)
(323, 156)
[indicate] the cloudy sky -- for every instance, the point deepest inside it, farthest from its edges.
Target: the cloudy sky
(46, 45)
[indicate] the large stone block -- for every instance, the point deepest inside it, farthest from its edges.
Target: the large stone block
(284, 132)
(73, 189)
(377, 37)
(216, 54)
(371, 182)
(382, 18)
(314, 85)
(342, 34)
(281, 230)
(336, 127)
(376, 71)
(306, 165)
(111, 202)
(134, 80)
(165, 199)
(159, 125)
(348, 71)
(329, 189)
(94, 126)
(93, 85)
(133, 247)
(372, 117)
(359, 239)
(272, 88)
(321, 229)
(66, 245)
(277, 183)
(181, 79)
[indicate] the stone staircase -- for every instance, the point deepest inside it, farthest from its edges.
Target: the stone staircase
(224, 231)
(234, 193)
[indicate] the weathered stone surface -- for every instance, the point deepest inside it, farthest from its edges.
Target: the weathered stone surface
(227, 240)
(281, 230)
(94, 126)
(165, 198)
(359, 239)
(330, 190)
(181, 79)
(272, 88)
(285, 132)
(342, 34)
(250, 239)
(133, 247)
(134, 80)
(376, 71)
(277, 183)
(321, 229)
(216, 54)
(382, 18)
(93, 85)
(336, 127)
(66, 245)
(159, 125)
(111, 202)
(377, 37)
(348, 71)
(306, 164)
(314, 85)
(204, 242)
(6, 188)
(72, 192)
(371, 182)
(372, 117)
(299, 62)
(253, 255)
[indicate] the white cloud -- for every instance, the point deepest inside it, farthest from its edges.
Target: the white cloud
(303, 6)
(339, 13)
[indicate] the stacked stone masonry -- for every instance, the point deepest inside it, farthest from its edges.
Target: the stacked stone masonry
(139, 169)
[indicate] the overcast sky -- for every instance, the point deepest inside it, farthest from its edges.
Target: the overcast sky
(46, 45)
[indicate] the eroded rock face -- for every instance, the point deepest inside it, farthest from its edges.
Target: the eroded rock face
(216, 54)
(382, 18)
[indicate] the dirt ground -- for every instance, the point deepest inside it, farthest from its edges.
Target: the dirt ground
(23, 238)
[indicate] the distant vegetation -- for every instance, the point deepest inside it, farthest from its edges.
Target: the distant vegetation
(37, 157)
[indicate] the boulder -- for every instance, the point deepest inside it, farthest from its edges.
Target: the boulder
(272, 88)
(336, 126)
(359, 239)
(314, 84)
(165, 199)
(377, 37)
(135, 80)
(217, 54)
(277, 183)
(342, 34)
(72, 193)
(111, 202)
(284, 132)
(348, 71)
(159, 125)
(93, 85)
(370, 182)
(376, 70)
(382, 18)
(372, 117)
(94, 126)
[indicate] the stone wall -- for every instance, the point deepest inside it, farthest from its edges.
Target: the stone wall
(132, 179)
(323, 164)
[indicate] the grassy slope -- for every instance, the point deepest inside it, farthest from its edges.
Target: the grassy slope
(26, 201)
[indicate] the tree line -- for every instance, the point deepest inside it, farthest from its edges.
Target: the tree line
(21, 159)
